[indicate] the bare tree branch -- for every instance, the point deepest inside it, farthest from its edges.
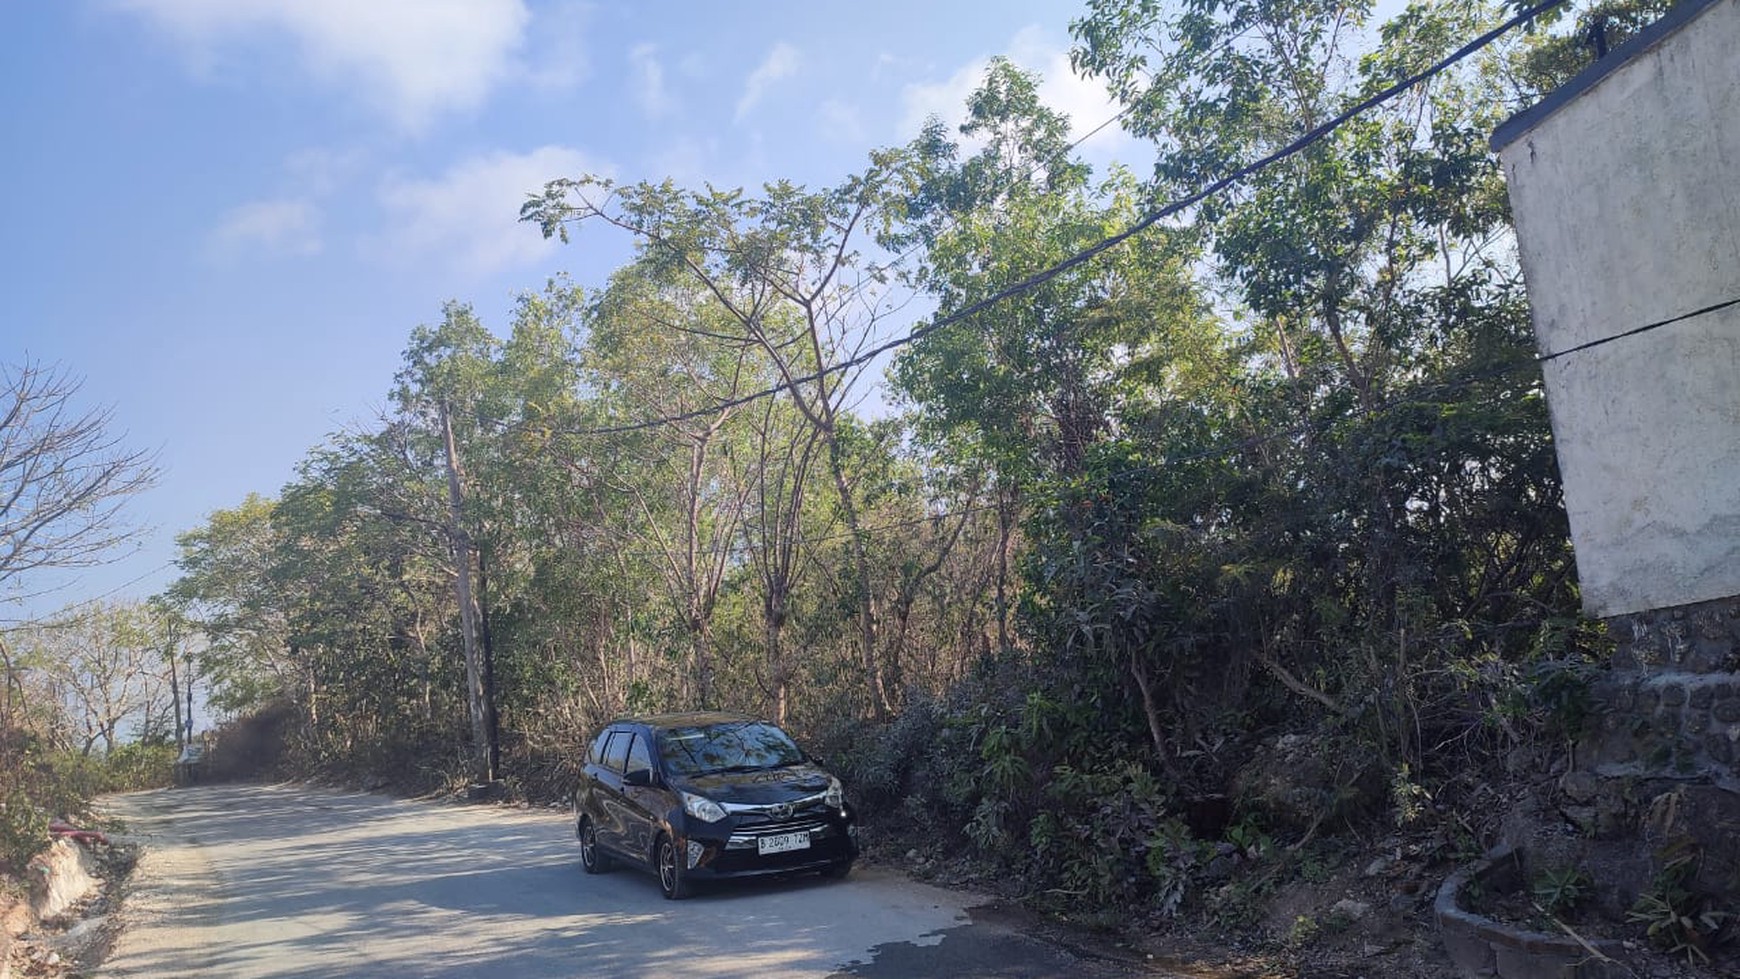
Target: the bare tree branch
(64, 476)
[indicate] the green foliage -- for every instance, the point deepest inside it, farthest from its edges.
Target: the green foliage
(1676, 918)
(1408, 799)
(1303, 931)
(1561, 890)
(39, 783)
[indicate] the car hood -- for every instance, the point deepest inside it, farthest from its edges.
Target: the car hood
(760, 788)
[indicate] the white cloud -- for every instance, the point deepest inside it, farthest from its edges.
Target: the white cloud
(687, 160)
(946, 100)
(410, 59)
(841, 123)
(287, 226)
(884, 62)
(780, 63)
(1085, 101)
(647, 79)
(469, 216)
(556, 58)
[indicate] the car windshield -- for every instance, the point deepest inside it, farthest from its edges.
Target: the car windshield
(739, 746)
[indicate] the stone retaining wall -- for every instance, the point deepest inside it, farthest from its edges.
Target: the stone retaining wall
(1670, 708)
(1701, 638)
(1673, 725)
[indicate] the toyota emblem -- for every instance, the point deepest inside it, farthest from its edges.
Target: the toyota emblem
(780, 811)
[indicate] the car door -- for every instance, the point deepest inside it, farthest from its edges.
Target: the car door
(642, 805)
(607, 790)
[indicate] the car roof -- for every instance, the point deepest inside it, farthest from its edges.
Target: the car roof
(696, 718)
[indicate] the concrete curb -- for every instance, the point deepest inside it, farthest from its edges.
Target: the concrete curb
(1482, 947)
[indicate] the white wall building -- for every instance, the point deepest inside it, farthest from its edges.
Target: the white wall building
(1625, 186)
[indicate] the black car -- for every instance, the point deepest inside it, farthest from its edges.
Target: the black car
(709, 795)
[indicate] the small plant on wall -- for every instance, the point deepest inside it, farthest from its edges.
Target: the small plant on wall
(1677, 919)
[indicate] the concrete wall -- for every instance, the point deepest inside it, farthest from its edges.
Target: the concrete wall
(1626, 191)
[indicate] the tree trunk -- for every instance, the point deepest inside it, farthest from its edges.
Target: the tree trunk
(1151, 711)
(175, 695)
(492, 724)
(1005, 533)
(460, 542)
(880, 703)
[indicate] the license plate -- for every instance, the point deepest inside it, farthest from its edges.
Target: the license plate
(782, 843)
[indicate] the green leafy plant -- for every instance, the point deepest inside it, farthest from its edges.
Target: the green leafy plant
(986, 827)
(1409, 798)
(1561, 890)
(1303, 931)
(1248, 837)
(23, 829)
(1677, 919)
(1173, 858)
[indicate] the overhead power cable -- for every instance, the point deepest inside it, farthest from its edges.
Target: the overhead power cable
(1105, 244)
(1425, 396)
(1646, 328)
(63, 612)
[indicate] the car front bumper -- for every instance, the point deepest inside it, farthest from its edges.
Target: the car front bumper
(736, 852)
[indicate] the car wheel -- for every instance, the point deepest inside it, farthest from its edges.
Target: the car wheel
(673, 875)
(592, 859)
(837, 869)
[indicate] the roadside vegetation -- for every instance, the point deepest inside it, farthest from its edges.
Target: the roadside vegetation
(1140, 584)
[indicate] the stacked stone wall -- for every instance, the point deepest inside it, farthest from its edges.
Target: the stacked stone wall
(1670, 708)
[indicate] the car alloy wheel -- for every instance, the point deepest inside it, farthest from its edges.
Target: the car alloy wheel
(673, 876)
(591, 858)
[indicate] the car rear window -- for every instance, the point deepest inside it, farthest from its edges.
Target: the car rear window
(617, 751)
(736, 746)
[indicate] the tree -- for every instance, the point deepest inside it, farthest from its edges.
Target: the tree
(229, 589)
(64, 476)
(650, 356)
(104, 668)
(1028, 387)
(64, 480)
(441, 386)
(1381, 471)
(785, 269)
(171, 630)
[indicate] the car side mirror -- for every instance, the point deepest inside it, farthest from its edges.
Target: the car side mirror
(641, 777)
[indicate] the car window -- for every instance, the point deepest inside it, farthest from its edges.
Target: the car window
(639, 757)
(616, 752)
(595, 755)
(730, 747)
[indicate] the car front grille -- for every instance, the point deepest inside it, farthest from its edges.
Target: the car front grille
(744, 836)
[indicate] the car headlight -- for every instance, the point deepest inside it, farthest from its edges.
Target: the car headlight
(702, 808)
(836, 795)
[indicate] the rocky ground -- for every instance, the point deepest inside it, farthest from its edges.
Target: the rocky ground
(1339, 909)
(69, 940)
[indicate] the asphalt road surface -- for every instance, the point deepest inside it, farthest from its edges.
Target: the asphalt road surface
(253, 881)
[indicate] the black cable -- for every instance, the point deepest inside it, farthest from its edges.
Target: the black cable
(1647, 327)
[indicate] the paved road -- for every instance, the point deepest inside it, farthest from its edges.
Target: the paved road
(258, 881)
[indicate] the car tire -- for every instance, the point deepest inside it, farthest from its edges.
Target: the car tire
(837, 870)
(673, 874)
(592, 859)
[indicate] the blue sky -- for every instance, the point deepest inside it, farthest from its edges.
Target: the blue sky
(228, 215)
